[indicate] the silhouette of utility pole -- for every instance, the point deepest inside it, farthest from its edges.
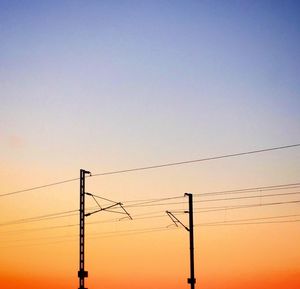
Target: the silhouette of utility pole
(110, 208)
(192, 279)
(190, 229)
(82, 273)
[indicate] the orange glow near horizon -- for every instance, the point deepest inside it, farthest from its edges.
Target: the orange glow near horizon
(42, 254)
(231, 258)
(136, 280)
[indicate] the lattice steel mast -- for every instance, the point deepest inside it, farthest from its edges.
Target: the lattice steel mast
(82, 273)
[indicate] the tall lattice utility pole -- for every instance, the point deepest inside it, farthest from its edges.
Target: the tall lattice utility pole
(82, 214)
(82, 273)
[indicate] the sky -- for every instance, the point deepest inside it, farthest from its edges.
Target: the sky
(112, 85)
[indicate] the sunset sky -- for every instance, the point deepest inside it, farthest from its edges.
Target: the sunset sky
(113, 85)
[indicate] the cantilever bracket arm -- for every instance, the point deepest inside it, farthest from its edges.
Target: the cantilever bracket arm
(175, 220)
(102, 209)
(108, 207)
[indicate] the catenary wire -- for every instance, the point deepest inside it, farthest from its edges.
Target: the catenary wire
(252, 189)
(155, 229)
(195, 160)
(40, 218)
(156, 167)
(224, 208)
(146, 215)
(144, 204)
(215, 200)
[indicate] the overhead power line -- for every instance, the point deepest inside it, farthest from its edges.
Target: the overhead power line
(252, 223)
(215, 200)
(41, 218)
(254, 219)
(236, 222)
(161, 202)
(232, 207)
(195, 160)
(252, 189)
(39, 187)
(147, 231)
(143, 216)
(164, 165)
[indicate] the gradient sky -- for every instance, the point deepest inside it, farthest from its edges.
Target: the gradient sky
(108, 85)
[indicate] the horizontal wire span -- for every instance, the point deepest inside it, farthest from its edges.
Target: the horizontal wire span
(261, 189)
(156, 167)
(253, 223)
(216, 200)
(150, 204)
(58, 215)
(146, 215)
(222, 208)
(39, 187)
(250, 190)
(253, 219)
(157, 229)
(41, 218)
(196, 160)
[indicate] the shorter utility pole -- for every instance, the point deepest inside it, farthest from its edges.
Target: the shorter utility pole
(192, 279)
(190, 229)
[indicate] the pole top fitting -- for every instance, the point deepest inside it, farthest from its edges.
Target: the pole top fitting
(187, 194)
(86, 172)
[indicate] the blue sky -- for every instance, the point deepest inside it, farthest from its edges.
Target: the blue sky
(134, 82)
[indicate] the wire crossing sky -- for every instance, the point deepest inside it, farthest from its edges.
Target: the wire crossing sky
(156, 167)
